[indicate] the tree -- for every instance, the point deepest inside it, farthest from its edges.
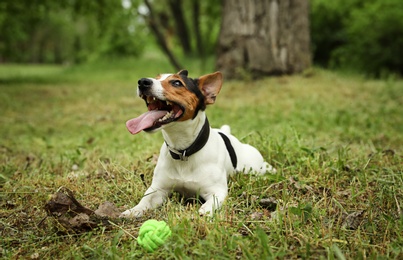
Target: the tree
(190, 26)
(264, 37)
(49, 31)
(154, 26)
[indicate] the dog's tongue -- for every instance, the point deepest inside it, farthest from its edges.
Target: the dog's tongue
(144, 121)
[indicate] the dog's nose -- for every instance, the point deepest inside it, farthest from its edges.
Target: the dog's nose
(145, 83)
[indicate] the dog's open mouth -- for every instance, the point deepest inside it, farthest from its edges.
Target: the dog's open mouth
(160, 112)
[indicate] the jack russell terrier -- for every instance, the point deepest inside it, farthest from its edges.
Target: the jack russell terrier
(195, 159)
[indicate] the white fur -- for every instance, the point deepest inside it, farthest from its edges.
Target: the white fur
(205, 173)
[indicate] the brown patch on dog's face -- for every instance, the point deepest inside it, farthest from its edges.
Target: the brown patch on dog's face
(178, 91)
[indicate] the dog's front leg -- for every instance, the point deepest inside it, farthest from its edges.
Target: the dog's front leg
(153, 198)
(214, 201)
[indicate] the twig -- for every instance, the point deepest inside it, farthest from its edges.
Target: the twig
(116, 225)
(399, 211)
(40, 222)
(248, 229)
(143, 180)
(369, 160)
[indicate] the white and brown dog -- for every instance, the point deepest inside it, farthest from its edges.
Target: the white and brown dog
(195, 159)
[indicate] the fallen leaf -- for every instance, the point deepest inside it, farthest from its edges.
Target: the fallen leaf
(82, 221)
(107, 209)
(268, 203)
(353, 220)
(256, 215)
(73, 216)
(63, 202)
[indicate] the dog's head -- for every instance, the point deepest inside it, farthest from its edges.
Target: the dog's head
(174, 97)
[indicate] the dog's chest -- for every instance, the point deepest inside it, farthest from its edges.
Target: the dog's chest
(186, 177)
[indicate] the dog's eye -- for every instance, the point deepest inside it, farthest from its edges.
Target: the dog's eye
(176, 83)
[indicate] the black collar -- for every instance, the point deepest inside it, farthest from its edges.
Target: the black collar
(196, 146)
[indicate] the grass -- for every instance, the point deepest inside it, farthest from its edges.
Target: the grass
(335, 139)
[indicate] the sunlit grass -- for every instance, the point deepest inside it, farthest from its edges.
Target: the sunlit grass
(336, 140)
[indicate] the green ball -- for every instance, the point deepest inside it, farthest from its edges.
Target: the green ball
(153, 234)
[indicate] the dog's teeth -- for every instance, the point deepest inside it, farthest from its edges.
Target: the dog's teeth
(169, 102)
(154, 98)
(168, 115)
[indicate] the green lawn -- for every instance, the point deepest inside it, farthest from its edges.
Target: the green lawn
(336, 140)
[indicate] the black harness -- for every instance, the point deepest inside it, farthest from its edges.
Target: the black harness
(199, 143)
(230, 149)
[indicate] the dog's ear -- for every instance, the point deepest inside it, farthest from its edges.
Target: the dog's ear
(210, 85)
(183, 73)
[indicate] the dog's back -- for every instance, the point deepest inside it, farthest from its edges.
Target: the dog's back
(249, 159)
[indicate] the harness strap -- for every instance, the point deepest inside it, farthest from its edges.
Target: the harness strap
(230, 149)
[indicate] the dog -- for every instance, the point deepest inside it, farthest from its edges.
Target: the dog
(195, 158)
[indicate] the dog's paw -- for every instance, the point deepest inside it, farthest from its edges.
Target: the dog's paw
(267, 168)
(206, 211)
(270, 169)
(131, 213)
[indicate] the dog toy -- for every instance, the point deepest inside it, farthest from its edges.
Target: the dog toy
(153, 234)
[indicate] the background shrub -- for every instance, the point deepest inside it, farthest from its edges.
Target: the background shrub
(361, 35)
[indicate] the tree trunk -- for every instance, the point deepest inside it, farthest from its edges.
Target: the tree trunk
(181, 26)
(196, 27)
(264, 37)
(161, 41)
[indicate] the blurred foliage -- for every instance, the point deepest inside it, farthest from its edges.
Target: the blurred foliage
(47, 31)
(357, 34)
(350, 34)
